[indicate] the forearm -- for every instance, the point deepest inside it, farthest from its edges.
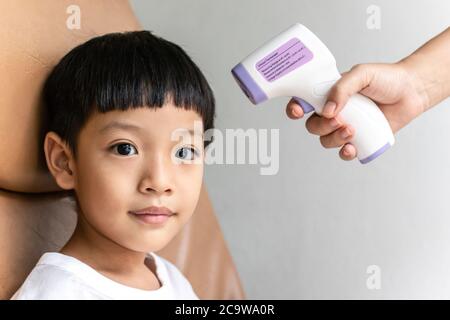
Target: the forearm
(430, 68)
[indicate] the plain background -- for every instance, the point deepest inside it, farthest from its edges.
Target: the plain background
(312, 230)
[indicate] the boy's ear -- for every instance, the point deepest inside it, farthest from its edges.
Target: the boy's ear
(59, 160)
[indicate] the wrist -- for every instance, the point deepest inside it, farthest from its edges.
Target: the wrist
(418, 78)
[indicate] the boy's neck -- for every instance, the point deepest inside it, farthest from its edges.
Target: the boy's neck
(100, 252)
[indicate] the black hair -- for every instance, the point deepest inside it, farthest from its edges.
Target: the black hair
(119, 71)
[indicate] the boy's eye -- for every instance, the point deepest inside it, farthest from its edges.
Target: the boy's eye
(186, 153)
(124, 149)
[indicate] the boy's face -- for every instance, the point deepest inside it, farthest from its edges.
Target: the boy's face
(119, 170)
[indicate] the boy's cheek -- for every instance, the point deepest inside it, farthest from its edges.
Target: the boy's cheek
(104, 192)
(190, 194)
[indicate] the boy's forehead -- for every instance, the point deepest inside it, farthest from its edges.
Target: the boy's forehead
(166, 118)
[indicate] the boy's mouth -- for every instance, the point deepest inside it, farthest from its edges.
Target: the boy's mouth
(153, 214)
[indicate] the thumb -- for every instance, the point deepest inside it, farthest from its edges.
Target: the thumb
(351, 82)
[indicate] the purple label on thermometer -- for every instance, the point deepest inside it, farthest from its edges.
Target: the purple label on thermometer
(283, 60)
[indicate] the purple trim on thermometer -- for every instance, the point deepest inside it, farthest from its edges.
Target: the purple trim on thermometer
(248, 85)
(375, 154)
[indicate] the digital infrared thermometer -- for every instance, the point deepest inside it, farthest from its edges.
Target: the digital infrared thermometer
(297, 64)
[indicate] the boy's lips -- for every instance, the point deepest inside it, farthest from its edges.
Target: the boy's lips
(153, 214)
(154, 210)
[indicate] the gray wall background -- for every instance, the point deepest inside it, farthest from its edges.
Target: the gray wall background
(312, 230)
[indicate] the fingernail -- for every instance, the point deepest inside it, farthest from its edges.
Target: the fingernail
(296, 111)
(329, 108)
(346, 133)
(346, 152)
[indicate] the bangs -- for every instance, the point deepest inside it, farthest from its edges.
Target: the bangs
(120, 71)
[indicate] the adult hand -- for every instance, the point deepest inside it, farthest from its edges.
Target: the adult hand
(392, 87)
(402, 90)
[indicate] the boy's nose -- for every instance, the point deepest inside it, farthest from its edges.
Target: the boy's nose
(158, 186)
(156, 179)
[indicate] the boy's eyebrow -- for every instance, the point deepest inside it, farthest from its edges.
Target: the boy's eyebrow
(128, 126)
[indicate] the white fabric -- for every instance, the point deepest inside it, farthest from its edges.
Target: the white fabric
(58, 276)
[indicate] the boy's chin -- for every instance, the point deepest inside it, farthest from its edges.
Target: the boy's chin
(151, 245)
(148, 239)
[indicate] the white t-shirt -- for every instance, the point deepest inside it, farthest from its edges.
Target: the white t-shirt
(60, 277)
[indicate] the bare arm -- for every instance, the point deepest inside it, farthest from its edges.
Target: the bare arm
(430, 64)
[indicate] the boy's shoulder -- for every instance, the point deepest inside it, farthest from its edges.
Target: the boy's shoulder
(50, 282)
(55, 278)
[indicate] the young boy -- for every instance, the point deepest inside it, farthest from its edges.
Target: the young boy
(113, 104)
